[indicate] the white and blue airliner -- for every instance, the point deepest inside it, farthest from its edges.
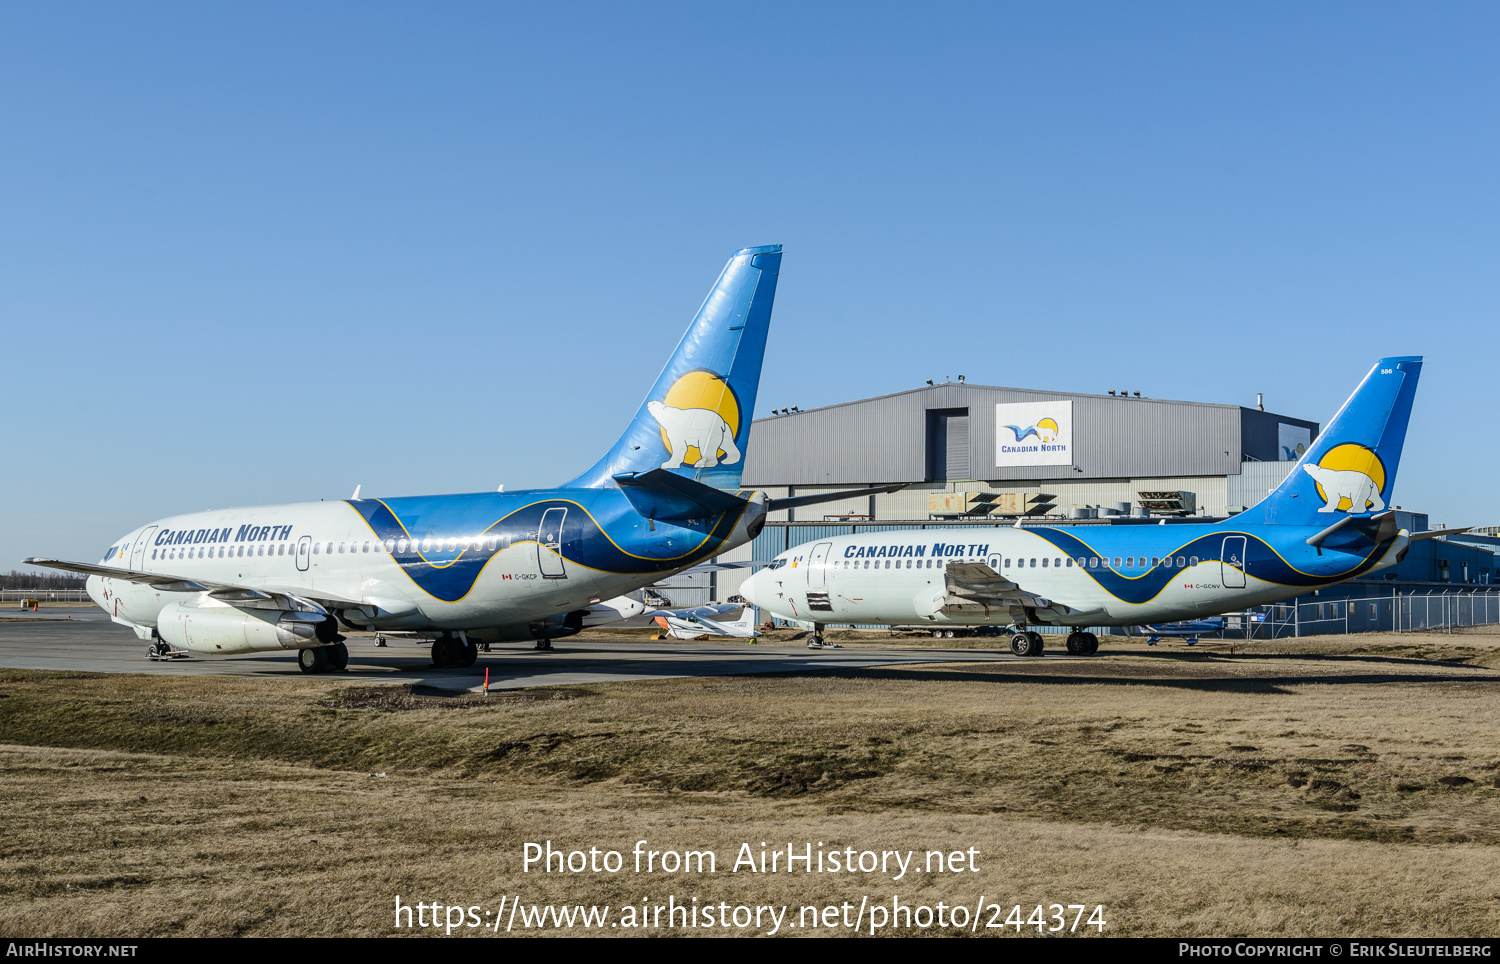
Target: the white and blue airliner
(481, 567)
(1330, 520)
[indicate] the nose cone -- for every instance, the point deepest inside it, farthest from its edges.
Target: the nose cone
(747, 589)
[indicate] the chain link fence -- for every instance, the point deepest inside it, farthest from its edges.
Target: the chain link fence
(1397, 613)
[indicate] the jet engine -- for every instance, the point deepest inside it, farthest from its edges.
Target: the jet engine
(225, 629)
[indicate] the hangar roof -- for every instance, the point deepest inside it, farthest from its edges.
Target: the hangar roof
(892, 438)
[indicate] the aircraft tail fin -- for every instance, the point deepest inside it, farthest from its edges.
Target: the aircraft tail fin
(695, 422)
(1350, 468)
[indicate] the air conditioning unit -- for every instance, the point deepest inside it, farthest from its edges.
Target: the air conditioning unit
(1168, 503)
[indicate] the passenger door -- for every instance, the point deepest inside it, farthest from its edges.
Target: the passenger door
(1232, 560)
(304, 552)
(817, 566)
(549, 541)
(138, 553)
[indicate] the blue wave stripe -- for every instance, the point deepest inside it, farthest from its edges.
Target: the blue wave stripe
(1261, 562)
(449, 575)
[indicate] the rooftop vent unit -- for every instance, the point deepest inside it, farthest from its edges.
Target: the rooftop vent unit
(1168, 503)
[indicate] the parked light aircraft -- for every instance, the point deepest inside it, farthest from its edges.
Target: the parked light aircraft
(1189, 629)
(1327, 522)
(480, 567)
(699, 622)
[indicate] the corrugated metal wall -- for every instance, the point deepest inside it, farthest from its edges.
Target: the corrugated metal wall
(1256, 480)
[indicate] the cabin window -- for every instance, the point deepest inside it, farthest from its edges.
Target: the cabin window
(1033, 563)
(1044, 563)
(1192, 560)
(426, 545)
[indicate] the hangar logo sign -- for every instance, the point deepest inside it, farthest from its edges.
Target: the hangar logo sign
(1293, 441)
(1034, 433)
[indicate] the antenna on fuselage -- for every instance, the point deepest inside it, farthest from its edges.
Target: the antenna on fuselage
(502, 487)
(355, 496)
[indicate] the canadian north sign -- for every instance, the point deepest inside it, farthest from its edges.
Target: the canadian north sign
(1034, 433)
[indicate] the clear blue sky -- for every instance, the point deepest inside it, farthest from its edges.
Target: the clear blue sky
(257, 253)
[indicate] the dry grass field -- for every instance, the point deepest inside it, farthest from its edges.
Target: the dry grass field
(1339, 786)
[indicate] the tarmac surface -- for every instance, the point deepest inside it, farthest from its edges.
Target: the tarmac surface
(89, 642)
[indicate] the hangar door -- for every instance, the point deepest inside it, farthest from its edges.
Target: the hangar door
(948, 444)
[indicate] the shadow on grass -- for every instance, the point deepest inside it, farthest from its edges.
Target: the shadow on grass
(1276, 684)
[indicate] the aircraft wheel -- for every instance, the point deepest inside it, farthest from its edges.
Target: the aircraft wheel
(937, 634)
(338, 656)
(1020, 644)
(1078, 644)
(1036, 644)
(947, 634)
(443, 652)
(544, 644)
(313, 660)
(815, 641)
(468, 653)
(1093, 643)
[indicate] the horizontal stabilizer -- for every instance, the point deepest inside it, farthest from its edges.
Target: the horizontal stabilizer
(797, 501)
(668, 497)
(1355, 534)
(1434, 533)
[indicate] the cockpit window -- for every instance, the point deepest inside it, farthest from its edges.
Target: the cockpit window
(777, 564)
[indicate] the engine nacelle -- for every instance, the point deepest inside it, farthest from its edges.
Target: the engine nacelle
(555, 627)
(224, 629)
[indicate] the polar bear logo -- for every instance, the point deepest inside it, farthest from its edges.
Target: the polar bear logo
(700, 428)
(1339, 484)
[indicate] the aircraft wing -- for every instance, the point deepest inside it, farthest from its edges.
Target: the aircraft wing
(973, 587)
(700, 612)
(244, 597)
(695, 623)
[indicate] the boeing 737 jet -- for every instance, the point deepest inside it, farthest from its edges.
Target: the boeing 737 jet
(483, 567)
(1327, 522)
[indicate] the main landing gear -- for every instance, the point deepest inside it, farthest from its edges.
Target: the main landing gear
(1026, 644)
(323, 659)
(453, 651)
(1082, 644)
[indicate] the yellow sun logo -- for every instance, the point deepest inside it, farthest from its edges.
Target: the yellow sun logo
(1351, 457)
(704, 390)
